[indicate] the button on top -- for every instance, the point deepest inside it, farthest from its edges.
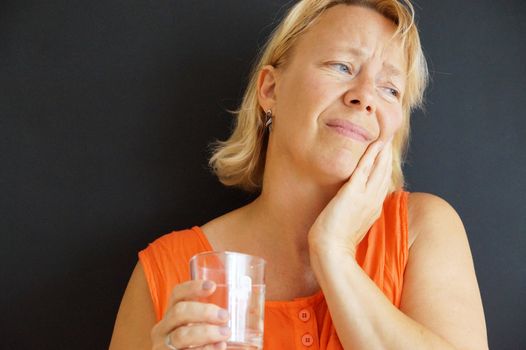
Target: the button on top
(307, 339)
(304, 315)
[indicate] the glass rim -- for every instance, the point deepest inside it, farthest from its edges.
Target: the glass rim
(258, 260)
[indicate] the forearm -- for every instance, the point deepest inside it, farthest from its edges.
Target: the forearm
(363, 317)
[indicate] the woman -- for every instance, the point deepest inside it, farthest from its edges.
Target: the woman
(354, 262)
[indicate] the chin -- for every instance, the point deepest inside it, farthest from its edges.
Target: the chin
(336, 174)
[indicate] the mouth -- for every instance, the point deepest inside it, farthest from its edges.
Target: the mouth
(349, 129)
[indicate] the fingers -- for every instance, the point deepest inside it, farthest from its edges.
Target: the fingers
(191, 290)
(199, 335)
(372, 166)
(188, 322)
(183, 309)
(185, 312)
(382, 168)
(216, 346)
(366, 163)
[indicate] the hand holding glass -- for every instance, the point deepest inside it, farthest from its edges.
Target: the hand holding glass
(240, 281)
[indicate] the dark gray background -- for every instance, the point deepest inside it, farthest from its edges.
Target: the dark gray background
(107, 109)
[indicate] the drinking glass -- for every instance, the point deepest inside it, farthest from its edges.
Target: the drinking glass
(240, 289)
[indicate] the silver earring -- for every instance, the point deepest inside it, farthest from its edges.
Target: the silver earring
(268, 119)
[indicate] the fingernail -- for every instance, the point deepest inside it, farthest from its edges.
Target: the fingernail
(222, 314)
(207, 285)
(224, 330)
(220, 345)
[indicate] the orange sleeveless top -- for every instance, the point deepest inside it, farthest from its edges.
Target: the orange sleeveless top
(302, 323)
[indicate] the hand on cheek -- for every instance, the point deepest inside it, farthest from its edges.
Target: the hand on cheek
(345, 220)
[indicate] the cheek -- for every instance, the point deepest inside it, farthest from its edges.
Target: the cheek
(390, 123)
(302, 95)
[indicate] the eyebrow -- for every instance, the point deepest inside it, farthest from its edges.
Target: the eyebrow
(392, 70)
(355, 51)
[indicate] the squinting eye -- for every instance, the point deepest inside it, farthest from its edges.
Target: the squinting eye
(393, 92)
(342, 67)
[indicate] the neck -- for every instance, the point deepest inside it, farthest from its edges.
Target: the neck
(287, 207)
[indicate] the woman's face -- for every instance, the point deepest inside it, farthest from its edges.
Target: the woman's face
(340, 90)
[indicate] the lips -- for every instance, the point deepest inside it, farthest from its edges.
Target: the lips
(349, 129)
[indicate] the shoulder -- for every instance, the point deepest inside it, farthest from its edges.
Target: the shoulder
(428, 213)
(440, 285)
(170, 253)
(426, 203)
(173, 239)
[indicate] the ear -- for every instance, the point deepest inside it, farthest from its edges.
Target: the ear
(266, 88)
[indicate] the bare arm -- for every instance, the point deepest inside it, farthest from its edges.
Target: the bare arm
(440, 286)
(186, 323)
(441, 306)
(136, 316)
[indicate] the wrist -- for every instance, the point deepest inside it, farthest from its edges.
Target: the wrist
(331, 255)
(328, 261)
(331, 250)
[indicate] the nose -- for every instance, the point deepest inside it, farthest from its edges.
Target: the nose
(361, 96)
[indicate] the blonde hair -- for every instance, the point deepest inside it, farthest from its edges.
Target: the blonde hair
(240, 160)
